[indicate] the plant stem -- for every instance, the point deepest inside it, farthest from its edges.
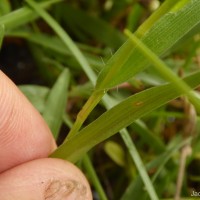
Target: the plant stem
(85, 111)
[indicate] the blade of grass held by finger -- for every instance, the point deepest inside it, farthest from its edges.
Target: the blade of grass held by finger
(119, 117)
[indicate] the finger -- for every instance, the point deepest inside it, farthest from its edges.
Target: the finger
(44, 179)
(24, 135)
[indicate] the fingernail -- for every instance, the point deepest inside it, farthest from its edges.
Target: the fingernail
(64, 189)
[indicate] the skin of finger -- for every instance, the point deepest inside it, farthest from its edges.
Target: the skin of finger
(44, 179)
(24, 135)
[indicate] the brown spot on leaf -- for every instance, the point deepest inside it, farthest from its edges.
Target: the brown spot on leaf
(139, 103)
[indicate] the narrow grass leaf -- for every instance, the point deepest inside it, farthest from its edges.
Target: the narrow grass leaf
(159, 37)
(119, 117)
(23, 15)
(56, 103)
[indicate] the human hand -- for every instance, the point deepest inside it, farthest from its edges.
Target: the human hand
(25, 142)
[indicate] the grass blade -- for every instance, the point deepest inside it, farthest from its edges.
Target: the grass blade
(23, 15)
(56, 103)
(119, 117)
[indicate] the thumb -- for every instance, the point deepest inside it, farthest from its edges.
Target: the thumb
(44, 179)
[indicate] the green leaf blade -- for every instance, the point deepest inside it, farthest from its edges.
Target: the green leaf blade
(56, 103)
(119, 117)
(22, 15)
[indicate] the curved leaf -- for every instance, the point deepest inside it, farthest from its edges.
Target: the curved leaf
(120, 116)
